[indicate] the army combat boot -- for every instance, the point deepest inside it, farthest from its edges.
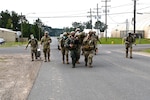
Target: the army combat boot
(131, 53)
(90, 65)
(45, 60)
(63, 62)
(73, 65)
(126, 53)
(67, 62)
(85, 61)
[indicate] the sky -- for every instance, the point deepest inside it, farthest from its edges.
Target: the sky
(57, 13)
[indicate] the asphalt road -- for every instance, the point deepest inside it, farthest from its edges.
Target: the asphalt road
(113, 77)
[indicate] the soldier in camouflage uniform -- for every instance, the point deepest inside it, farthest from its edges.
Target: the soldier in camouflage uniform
(46, 40)
(80, 36)
(64, 49)
(34, 46)
(96, 39)
(129, 40)
(89, 47)
(72, 43)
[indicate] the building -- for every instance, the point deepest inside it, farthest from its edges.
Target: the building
(8, 35)
(142, 27)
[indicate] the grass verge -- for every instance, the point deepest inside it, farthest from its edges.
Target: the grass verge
(13, 44)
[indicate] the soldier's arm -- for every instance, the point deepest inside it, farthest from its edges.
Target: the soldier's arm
(50, 40)
(36, 42)
(67, 42)
(41, 41)
(28, 44)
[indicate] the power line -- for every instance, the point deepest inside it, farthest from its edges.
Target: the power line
(122, 5)
(144, 8)
(56, 16)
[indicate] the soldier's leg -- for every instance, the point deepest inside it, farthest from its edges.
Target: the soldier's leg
(48, 54)
(67, 55)
(35, 54)
(63, 55)
(96, 48)
(126, 52)
(45, 54)
(78, 55)
(85, 57)
(131, 52)
(32, 55)
(82, 51)
(90, 59)
(73, 57)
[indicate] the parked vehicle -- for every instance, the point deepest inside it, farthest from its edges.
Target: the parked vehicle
(2, 41)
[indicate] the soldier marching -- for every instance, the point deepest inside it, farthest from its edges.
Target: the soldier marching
(45, 41)
(34, 46)
(129, 41)
(79, 40)
(72, 42)
(63, 48)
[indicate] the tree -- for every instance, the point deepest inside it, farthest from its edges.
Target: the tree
(9, 24)
(88, 25)
(5, 19)
(15, 21)
(100, 25)
(38, 25)
(78, 25)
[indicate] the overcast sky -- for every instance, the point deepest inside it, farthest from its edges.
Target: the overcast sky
(57, 13)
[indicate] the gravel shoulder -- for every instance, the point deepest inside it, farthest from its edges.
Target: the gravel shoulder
(17, 76)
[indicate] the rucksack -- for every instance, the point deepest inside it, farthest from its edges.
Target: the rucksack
(63, 41)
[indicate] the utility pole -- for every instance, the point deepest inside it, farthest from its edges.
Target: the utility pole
(98, 17)
(106, 10)
(97, 13)
(134, 30)
(91, 18)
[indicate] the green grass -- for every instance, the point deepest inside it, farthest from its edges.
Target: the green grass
(147, 50)
(120, 41)
(13, 44)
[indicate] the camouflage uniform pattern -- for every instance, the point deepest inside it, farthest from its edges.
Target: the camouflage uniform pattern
(64, 49)
(79, 36)
(96, 39)
(89, 49)
(129, 40)
(34, 47)
(72, 43)
(46, 40)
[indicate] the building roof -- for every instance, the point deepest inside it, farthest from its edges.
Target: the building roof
(8, 30)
